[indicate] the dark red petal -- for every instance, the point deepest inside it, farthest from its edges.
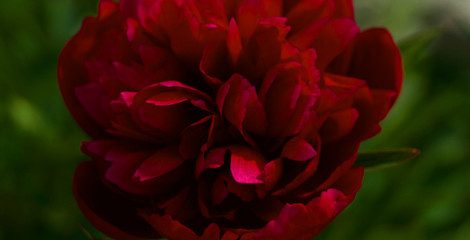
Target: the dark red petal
(215, 64)
(298, 149)
(109, 212)
(230, 236)
(351, 181)
(173, 229)
(214, 158)
(334, 164)
(161, 162)
(305, 173)
(247, 165)
(71, 70)
(214, 12)
(194, 137)
(219, 191)
(234, 42)
(248, 17)
(90, 97)
(272, 8)
(245, 192)
(272, 173)
(181, 206)
(344, 9)
(303, 222)
(374, 57)
(308, 12)
(339, 124)
(239, 104)
(333, 39)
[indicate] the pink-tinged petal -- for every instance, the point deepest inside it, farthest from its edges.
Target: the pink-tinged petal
(333, 39)
(225, 184)
(298, 149)
(106, 210)
(307, 12)
(339, 124)
(128, 97)
(161, 162)
(245, 192)
(169, 228)
(374, 57)
(247, 165)
(303, 222)
(234, 42)
(344, 9)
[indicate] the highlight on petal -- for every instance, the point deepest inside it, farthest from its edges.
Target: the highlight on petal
(246, 165)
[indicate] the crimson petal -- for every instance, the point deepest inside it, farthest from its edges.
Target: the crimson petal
(109, 212)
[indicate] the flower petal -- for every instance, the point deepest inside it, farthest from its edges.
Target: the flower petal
(161, 162)
(106, 210)
(303, 222)
(247, 165)
(298, 149)
(374, 57)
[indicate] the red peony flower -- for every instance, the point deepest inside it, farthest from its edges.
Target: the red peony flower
(224, 119)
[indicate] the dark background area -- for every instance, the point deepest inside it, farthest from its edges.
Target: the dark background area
(427, 198)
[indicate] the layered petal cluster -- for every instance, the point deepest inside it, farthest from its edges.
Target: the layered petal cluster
(224, 119)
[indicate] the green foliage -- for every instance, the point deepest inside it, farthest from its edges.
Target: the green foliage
(427, 198)
(373, 160)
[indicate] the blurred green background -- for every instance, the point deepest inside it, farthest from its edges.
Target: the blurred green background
(427, 198)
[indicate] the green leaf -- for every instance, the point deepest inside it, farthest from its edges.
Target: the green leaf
(372, 160)
(87, 233)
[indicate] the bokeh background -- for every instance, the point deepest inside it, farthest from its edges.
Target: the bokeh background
(427, 198)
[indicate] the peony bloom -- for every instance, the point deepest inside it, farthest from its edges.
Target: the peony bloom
(224, 119)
